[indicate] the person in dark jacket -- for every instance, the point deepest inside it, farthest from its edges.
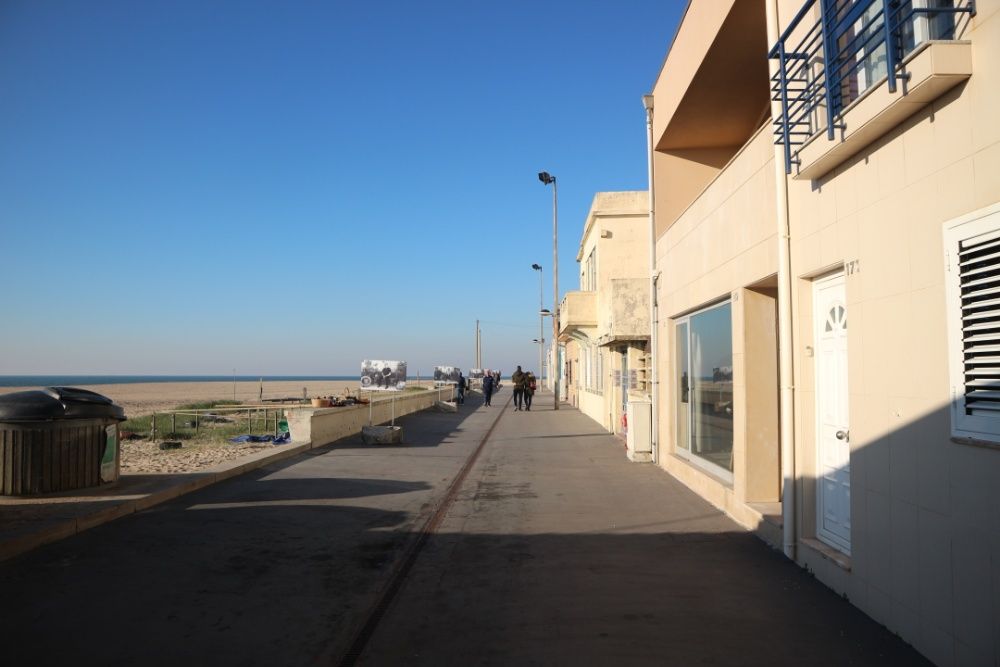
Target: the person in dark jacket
(518, 379)
(487, 389)
(529, 389)
(461, 389)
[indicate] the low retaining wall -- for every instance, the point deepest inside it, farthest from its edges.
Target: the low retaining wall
(321, 426)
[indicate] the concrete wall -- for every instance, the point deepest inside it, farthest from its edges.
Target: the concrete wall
(321, 426)
(616, 235)
(723, 243)
(925, 511)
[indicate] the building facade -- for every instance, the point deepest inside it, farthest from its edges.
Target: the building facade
(827, 195)
(605, 324)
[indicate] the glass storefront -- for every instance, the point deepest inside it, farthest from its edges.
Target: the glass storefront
(705, 385)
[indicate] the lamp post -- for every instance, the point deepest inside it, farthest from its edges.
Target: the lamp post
(542, 314)
(540, 340)
(546, 178)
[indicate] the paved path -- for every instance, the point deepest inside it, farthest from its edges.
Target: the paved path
(556, 551)
(561, 552)
(275, 567)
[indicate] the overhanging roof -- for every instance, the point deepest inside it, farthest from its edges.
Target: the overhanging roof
(712, 91)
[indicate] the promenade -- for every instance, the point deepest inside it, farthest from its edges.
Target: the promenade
(554, 550)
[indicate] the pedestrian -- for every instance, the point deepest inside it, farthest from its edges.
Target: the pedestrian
(488, 389)
(529, 389)
(461, 389)
(518, 379)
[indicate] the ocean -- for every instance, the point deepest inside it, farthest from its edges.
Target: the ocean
(77, 380)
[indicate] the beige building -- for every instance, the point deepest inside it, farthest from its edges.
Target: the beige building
(794, 198)
(605, 324)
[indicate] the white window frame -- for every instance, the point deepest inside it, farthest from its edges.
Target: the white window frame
(600, 369)
(978, 223)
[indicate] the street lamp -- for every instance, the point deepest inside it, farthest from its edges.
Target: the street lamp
(543, 313)
(541, 304)
(546, 178)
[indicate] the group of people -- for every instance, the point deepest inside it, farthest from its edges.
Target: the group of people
(525, 385)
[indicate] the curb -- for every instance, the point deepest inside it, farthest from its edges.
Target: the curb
(59, 531)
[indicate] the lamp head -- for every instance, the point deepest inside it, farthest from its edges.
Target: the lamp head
(536, 267)
(545, 312)
(647, 102)
(545, 177)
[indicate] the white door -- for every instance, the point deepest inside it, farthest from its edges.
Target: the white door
(833, 488)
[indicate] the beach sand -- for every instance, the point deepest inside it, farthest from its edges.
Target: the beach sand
(145, 398)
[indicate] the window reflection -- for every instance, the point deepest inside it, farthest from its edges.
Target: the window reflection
(705, 382)
(683, 388)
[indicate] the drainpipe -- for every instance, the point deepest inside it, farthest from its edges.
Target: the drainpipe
(786, 378)
(654, 380)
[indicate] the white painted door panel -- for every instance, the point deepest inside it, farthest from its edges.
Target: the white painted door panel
(833, 426)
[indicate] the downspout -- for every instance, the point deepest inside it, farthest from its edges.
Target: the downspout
(785, 376)
(654, 380)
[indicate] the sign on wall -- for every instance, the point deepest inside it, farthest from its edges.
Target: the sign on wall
(380, 375)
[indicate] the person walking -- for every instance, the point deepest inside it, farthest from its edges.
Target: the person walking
(529, 389)
(518, 379)
(487, 389)
(461, 388)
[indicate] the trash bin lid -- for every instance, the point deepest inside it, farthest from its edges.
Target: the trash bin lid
(57, 403)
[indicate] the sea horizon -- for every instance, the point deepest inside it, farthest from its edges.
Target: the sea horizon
(70, 380)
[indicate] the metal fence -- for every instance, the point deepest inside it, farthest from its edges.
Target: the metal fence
(826, 64)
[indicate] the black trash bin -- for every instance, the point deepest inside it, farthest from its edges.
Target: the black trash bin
(57, 439)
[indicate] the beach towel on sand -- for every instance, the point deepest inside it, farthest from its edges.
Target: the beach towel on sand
(282, 439)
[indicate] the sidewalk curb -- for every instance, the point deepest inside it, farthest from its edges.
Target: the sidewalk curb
(59, 531)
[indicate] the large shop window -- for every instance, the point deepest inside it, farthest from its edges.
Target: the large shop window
(704, 385)
(973, 288)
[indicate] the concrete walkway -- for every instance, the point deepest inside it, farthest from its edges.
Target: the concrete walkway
(560, 551)
(556, 551)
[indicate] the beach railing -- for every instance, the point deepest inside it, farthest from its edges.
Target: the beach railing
(225, 421)
(236, 420)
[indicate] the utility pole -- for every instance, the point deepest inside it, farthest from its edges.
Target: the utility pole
(548, 179)
(479, 347)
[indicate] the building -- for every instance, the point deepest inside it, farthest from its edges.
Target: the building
(604, 325)
(814, 170)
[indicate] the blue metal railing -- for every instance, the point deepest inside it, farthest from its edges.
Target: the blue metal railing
(825, 65)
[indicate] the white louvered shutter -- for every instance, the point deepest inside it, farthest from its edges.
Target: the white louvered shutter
(973, 248)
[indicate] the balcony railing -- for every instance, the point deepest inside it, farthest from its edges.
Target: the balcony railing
(855, 44)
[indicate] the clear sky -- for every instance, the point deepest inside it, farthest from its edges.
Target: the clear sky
(291, 187)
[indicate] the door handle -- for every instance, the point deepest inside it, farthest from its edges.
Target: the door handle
(842, 435)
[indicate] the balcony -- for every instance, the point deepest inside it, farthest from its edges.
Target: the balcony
(577, 315)
(838, 78)
(625, 315)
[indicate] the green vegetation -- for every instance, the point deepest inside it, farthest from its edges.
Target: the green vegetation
(206, 428)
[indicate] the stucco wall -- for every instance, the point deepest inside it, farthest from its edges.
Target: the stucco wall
(925, 511)
(723, 242)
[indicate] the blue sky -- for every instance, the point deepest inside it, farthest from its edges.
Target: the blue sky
(283, 188)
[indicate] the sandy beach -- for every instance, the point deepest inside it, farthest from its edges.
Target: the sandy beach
(145, 398)
(148, 397)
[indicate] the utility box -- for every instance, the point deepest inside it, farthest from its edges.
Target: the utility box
(639, 438)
